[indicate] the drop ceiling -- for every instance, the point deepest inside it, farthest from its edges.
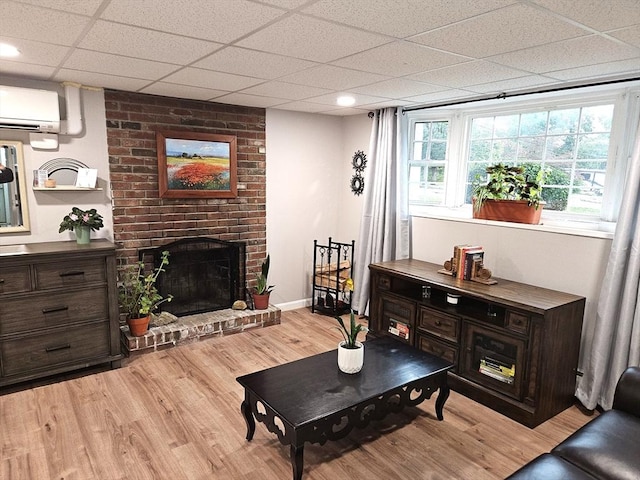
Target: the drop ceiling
(302, 54)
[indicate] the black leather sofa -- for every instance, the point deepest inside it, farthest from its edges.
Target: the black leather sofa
(608, 447)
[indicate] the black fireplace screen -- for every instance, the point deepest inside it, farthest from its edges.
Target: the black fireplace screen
(203, 275)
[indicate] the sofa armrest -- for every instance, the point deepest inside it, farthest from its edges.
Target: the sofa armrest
(627, 396)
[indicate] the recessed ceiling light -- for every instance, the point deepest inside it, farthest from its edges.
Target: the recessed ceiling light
(7, 50)
(346, 100)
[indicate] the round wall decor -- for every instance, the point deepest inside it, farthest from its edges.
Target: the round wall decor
(357, 184)
(359, 161)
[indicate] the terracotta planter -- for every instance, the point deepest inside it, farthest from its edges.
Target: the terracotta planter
(350, 360)
(517, 211)
(261, 302)
(138, 326)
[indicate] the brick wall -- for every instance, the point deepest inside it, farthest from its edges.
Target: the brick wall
(140, 217)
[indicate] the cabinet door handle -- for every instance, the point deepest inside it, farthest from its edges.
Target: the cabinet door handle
(438, 323)
(71, 274)
(1, 280)
(55, 309)
(59, 347)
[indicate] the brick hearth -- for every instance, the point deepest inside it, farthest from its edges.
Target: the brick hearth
(193, 328)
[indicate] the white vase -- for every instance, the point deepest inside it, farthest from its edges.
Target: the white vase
(350, 360)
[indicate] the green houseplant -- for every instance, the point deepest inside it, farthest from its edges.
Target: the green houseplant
(350, 350)
(138, 295)
(262, 290)
(82, 222)
(508, 195)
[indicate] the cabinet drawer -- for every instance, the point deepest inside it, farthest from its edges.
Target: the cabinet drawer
(439, 349)
(15, 279)
(58, 347)
(440, 324)
(70, 274)
(45, 310)
(398, 318)
(517, 322)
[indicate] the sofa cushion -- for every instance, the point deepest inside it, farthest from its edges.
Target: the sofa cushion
(550, 467)
(608, 447)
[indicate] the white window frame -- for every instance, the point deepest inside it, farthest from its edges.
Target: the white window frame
(626, 100)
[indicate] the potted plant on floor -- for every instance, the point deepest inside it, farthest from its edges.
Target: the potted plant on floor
(508, 195)
(82, 222)
(138, 295)
(262, 289)
(350, 350)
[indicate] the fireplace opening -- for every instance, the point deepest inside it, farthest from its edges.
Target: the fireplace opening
(203, 275)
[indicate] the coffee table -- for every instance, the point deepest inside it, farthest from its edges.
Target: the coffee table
(311, 400)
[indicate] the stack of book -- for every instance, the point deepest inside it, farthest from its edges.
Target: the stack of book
(494, 368)
(467, 260)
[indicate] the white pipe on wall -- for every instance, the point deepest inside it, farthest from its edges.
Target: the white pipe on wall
(73, 123)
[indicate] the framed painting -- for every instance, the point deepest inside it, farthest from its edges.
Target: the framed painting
(197, 165)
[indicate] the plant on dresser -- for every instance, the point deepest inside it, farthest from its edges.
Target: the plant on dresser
(82, 222)
(138, 295)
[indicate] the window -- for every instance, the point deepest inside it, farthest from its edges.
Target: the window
(582, 142)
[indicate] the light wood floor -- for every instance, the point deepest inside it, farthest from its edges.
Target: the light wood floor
(175, 414)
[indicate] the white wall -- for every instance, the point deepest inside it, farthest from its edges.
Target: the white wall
(46, 209)
(568, 263)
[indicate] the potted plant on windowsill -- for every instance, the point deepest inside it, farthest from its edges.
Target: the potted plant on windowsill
(262, 290)
(138, 295)
(508, 195)
(82, 222)
(350, 350)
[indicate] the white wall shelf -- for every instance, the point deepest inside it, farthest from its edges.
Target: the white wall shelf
(66, 188)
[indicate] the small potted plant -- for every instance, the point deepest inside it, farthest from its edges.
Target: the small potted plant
(82, 222)
(508, 195)
(262, 289)
(350, 350)
(138, 295)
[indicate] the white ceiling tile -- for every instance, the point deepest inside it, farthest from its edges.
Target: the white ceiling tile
(137, 42)
(388, 103)
(443, 96)
(182, 91)
(397, 88)
(24, 70)
(100, 80)
(250, 100)
(311, 39)
(513, 84)
(337, 78)
(630, 35)
(399, 58)
(577, 52)
(290, 4)
(599, 14)
(303, 107)
(505, 30)
(115, 65)
(400, 18)
(331, 99)
(37, 52)
(252, 63)
(198, 77)
(219, 20)
(629, 67)
(43, 24)
(83, 7)
(470, 73)
(288, 91)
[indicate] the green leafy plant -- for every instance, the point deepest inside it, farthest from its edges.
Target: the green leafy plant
(507, 182)
(81, 218)
(262, 286)
(350, 334)
(137, 292)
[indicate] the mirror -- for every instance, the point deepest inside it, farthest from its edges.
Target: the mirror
(14, 214)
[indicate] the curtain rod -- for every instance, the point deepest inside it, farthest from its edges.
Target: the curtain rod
(521, 93)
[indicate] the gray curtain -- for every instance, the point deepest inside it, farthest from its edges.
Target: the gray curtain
(616, 340)
(384, 226)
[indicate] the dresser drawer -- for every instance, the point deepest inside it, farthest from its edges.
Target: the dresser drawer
(439, 349)
(440, 324)
(54, 348)
(517, 322)
(15, 279)
(44, 310)
(70, 274)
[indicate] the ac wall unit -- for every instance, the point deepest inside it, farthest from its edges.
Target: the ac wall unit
(29, 109)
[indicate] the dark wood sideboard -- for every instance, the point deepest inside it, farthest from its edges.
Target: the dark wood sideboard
(58, 309)
(515, 347)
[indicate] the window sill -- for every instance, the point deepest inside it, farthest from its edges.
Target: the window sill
(564, 227)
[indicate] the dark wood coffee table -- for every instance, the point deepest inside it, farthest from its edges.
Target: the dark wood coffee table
(310, 400)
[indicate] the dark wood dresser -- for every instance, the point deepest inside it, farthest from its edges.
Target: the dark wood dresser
(515, 347)
(58, 309)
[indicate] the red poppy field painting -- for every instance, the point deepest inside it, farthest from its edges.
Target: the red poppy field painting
(196, 165)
